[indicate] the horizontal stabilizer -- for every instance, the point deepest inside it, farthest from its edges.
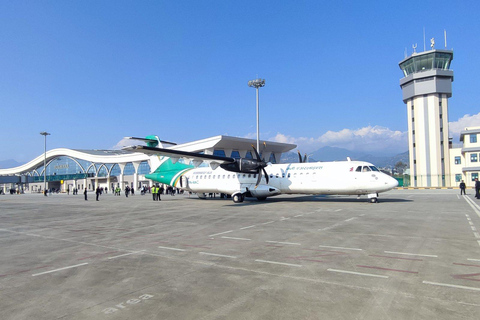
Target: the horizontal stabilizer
(151, 140)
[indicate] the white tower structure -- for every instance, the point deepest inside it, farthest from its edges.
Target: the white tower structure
(426, 87)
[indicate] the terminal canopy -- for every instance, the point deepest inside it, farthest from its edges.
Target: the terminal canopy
(428, 60)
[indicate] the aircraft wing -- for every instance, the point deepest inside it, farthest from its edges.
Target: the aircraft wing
(180, 154)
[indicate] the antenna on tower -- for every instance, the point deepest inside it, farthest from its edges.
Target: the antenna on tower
(405, 54)
(424, 47)
(445, 34)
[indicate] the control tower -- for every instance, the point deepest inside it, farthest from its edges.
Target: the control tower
(426, 87)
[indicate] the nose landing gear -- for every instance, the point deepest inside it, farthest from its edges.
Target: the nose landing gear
(373, 197)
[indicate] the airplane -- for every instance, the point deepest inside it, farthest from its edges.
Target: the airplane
(241, 178)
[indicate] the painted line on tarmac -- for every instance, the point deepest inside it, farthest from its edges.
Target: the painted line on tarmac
(397, 258)
(268, 222)
(474, 206)
(386, 269)
(280, 242)
(170, 248)
(451, 285)
(473, 259)
(233, 238)
(217, 234)
(248, 227)
(217, 255)
(343, 248)
(358, 273)
(126, 254)
(280, 263)
(413, 254)
(51, 271)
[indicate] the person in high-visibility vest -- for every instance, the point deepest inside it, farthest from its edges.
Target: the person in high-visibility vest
(159, 192)
(154, 192)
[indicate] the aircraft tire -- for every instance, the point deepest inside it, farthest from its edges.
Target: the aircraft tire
(261, 198)
(237, 198)
(373, 200)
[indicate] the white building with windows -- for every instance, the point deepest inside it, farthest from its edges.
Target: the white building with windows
(464, 161)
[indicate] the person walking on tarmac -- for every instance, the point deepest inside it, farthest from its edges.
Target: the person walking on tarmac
(477, 188)
(85, 194)
(462, 188)
(154, 193)
(159, 192)
(97, 192)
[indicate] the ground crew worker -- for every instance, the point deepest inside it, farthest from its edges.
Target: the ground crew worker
(154, 192)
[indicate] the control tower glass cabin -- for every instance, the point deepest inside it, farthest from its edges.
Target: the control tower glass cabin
(426, 87)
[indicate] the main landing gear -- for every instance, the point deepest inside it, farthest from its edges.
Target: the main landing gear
(238, 197)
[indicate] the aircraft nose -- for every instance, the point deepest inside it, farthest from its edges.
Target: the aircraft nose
(392, 182)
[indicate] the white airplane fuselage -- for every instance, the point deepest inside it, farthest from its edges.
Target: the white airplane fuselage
(341, 178)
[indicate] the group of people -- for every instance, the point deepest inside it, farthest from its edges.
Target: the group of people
(463, 187)
(156, 192)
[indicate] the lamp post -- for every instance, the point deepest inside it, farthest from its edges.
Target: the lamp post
(257, 83)
(45, 134)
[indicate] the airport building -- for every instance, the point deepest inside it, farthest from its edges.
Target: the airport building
(68, 169)
(464, 161)
(426, 87)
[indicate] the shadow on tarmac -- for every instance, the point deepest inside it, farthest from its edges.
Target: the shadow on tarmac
(308, 198)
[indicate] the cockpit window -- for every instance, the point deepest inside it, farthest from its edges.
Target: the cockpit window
(374, 168)
(366, 169)
(359, 169)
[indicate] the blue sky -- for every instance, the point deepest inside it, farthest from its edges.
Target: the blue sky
(93, 72)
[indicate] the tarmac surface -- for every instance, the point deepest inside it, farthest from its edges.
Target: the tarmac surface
(413, 255)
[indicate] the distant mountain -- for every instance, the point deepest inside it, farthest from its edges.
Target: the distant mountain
(338, 154)
(10, 163)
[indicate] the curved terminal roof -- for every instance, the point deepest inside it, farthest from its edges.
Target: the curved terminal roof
(206, 146)
(99, 156)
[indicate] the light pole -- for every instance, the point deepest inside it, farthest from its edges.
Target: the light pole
(45, 134)
(257, 83)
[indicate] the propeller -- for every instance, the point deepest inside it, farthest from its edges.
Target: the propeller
(300, 157)
(261, 166)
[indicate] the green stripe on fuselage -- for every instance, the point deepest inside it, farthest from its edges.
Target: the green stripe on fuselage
(167, 171)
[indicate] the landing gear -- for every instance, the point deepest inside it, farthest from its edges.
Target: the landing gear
(238, 197)
(373, 197)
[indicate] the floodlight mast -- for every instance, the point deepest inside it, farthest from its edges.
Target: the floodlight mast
(257, 83)
(45, 134)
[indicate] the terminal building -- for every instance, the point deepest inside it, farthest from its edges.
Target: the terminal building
(68, 169)
(464, 161)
